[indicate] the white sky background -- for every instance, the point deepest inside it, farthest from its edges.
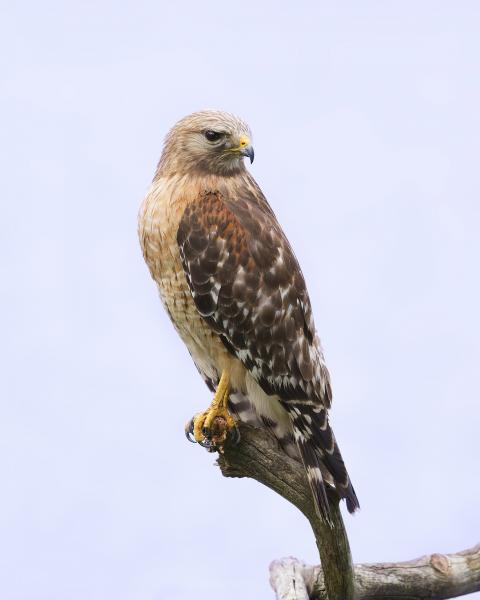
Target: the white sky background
(367, 138)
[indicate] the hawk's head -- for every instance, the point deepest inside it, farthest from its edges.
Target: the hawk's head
(209, 142)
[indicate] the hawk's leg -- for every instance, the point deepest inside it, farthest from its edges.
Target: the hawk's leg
(212, 427)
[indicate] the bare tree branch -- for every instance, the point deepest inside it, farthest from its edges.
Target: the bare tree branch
(259, 457)
(435, 577)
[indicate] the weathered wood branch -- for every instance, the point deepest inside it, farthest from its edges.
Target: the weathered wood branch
(435, 577)
(259, 457)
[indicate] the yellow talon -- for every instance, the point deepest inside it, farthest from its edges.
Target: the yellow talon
(198, 421)
(215, 423)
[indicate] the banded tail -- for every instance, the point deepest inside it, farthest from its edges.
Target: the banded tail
(320, 455)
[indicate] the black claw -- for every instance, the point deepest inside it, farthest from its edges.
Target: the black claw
(190, 437)
(189, 432)
(208, 445)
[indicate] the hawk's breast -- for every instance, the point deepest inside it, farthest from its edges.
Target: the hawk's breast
(159, 219)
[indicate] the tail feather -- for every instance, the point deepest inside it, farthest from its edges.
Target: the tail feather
(332, 458)
(319, 451)
(311, 463)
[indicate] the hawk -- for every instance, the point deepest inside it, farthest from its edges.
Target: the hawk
(233, 288)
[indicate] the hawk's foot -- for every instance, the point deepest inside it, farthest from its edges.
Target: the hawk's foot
(223, 429)
(213, 427)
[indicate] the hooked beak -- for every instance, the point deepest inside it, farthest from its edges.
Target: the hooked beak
(248, 151)
(245, 148)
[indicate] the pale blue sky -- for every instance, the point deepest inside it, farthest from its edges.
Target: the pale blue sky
(367, 139)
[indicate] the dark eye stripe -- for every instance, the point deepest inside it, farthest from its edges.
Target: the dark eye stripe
(212, 136)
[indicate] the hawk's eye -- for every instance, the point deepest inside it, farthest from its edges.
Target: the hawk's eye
(212, 136)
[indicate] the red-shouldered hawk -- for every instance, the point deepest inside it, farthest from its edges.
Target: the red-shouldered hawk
(235, 293)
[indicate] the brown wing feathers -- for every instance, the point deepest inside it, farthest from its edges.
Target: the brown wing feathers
(246, 283)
